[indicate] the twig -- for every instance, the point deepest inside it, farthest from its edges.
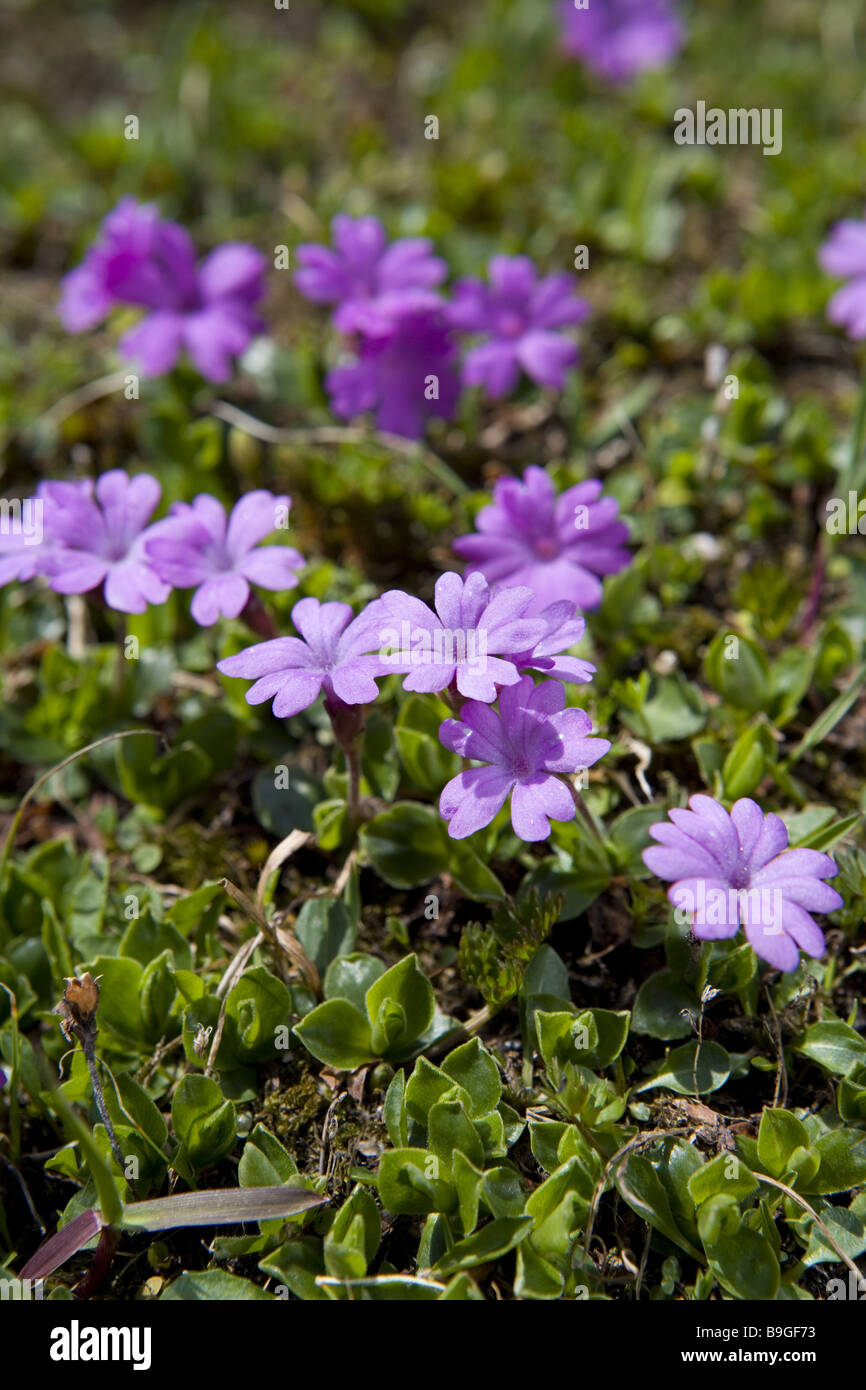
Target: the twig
(84, 395)
(295, 840)
(46, 777)
(77, 1010)
(282, 942)
(235, 970)
(341, 434)
(828, 1236)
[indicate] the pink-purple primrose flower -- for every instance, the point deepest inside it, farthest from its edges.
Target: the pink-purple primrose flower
(405, 373)
(198, 547)
(95, 534)
(555, 545)
(522, 749)
(734, 868)
(364, 277)
(518, 315)
(620, 38)
(141, 259)
(844, 255)
(335, 653)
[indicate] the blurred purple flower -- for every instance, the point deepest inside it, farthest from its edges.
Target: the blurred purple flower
(24, 547)
(563, 629)
(555, 545)
(337, 655)
(729, 868)
(366, 279)
(519, 314)
(462, 641)
(523, 747)
(98, 533)
(143, 260)
(844, 255)
(405, 374)
(197, 547)
(619, 38)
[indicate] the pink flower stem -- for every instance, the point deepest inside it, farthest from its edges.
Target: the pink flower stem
(257, 617)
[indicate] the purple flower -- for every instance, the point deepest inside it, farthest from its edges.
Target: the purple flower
(619, 38)
(844, 254)
(563, 629)
(143, 260)
(196, 547)
(519, 315)
(730, 869)
(405, 374)
(555, 545)
(335, 655)
(365, 278)
(460, 641)
(523, 747)
(98, 534)
(24, 547)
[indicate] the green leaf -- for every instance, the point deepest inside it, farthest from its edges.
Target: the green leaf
(475, 1070)
(256, 1007)
(203, 1121)
(205, 1286)
(471, 875)
(824, 837)
(490, 1243)
(120, 996)
(640, 1186)
(629, 836)
(659, 1006)
(738, 669)
(353, 1239)
(400, 1006)
(450, 1130)
(349, 977)
(723, 1174)
(428, 764)
(694, 1069)
(264, 1161)
(842, 1162)
(407, 844)
(742, 1260)
(779, 1135)
(409, 1183)
(325, 931)
(140, 1108)
(337, 1034)
(834, 1045)
(826, 722)
(746, 764)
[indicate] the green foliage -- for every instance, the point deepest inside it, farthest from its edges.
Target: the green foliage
(637, 1089)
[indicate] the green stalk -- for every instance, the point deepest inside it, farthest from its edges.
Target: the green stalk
(46, 777)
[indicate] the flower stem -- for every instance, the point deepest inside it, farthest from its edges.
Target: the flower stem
(348, 725)
(584, 811)
(87, 1044)
(257, 617)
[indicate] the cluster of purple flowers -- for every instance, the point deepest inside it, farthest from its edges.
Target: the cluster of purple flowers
(474, 644)
(535, 560)
(141, 259)
(402, 332)
(101, 534)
